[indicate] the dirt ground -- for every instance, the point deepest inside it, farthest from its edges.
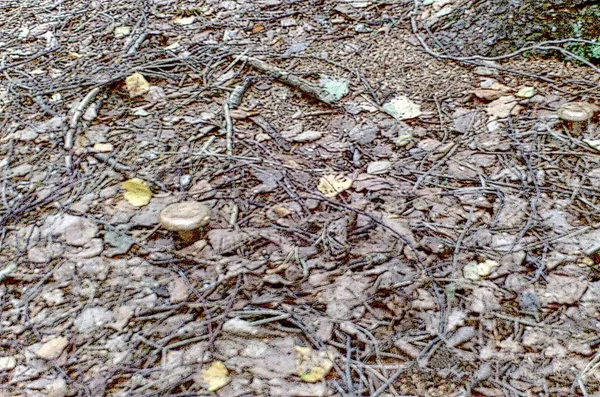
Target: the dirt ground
(452, 251)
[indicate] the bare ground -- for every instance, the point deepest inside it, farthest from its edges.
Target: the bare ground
(461, 261)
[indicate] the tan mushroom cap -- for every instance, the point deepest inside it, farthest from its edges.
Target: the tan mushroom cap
(576, 111)
(185, 216)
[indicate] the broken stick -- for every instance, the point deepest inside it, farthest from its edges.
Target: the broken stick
(303, 85)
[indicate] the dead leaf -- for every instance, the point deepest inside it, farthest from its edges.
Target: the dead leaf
(137, 85)
(137, 193)
(379, 167)
(330, 185)
(404, 140)
(475, 271)
(488, 95)
(215, 377)
(503, 107)
(402, 108)
(312, 366)
(258, 28)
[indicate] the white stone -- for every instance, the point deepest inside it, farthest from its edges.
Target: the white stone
(7, 363)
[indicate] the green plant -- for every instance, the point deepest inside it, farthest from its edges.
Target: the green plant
(589, 52)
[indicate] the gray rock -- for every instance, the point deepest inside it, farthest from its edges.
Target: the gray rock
(27, 134)
(93, 318)
(76, 230)
(21, 170)
(120, 241)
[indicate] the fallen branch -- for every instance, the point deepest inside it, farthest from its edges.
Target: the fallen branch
(228, 129)
(284, 76)
(79, 111)
(110, 161)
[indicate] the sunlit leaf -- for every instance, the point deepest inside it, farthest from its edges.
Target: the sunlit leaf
(137, 193)
(137, 85)
(215, 377)
(402, 108)
(312, 365)
(330, 185)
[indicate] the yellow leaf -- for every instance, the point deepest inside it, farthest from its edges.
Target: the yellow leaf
(330, 185)
(312, 366)
(136, 192)
(476, 271)
(137, 85)
(216, 376)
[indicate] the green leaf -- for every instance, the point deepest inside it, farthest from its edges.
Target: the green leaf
(336, 89)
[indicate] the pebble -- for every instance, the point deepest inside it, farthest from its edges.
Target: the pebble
(428, 144)
(7, 363)
(80, 235)
(76, 230)
(262, 137)
(27, 134)
(92, 318)
(21, 170)
(103, 147)
(487, 94)
(178, 290)
(57, 388)
(39, 255)
(123, 315)
(485, 71)
(52, 349)
(54, 297)
(308, 136)
(93, 249)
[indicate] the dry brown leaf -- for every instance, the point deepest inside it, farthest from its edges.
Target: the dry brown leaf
(503, 107)
(258, 28)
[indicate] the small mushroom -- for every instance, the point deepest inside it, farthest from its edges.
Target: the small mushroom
(186, 219)
(576, 114)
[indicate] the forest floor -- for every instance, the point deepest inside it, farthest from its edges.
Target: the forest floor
(451, 250)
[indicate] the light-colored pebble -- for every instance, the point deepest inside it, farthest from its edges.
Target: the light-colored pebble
(52, 349)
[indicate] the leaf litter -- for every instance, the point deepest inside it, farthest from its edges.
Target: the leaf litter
(431, 232)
